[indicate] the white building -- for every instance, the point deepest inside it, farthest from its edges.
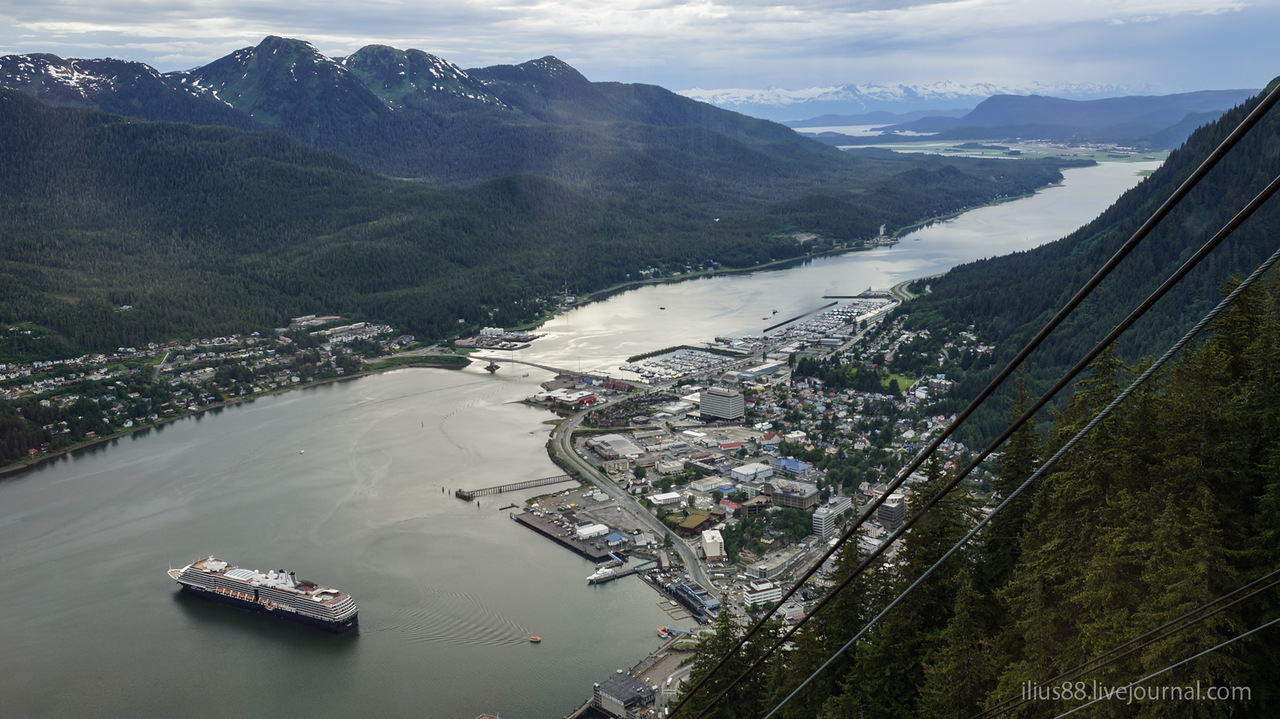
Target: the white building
(614, 446)
(827, 517)
(713, 545)
(592, 530)
(751, 472)
(761, 592)
(669, 498)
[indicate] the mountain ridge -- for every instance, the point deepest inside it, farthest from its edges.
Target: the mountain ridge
(410, 114)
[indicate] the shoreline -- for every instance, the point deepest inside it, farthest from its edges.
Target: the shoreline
(606, 293)
(21, 466)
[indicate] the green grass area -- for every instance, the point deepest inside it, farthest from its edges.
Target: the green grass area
(904, 382)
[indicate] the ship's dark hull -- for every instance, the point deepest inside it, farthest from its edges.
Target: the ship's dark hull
(256, 608)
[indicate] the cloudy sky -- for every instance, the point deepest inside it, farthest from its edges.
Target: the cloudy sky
(1157, 45)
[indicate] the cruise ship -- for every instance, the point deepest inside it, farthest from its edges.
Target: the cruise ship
(274, 593)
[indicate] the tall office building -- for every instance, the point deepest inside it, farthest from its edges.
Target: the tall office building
(722, 403)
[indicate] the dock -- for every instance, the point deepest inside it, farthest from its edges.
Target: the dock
(565, 537)
(469, 494)
(771, 328)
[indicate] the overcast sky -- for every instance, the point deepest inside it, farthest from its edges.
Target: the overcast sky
(1160, 45)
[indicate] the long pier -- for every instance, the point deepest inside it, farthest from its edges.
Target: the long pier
(470, 494)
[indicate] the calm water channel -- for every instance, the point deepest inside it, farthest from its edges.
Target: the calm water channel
(599, 337)
(342, 484)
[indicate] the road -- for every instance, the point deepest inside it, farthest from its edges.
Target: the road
(562, 446)
(900, 291)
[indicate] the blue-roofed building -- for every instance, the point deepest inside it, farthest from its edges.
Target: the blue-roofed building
(696, 598)
(793, 467)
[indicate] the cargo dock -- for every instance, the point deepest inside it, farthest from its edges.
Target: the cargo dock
(550, 526)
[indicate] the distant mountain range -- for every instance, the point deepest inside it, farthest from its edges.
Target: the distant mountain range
(1159, 122)
(794, 106)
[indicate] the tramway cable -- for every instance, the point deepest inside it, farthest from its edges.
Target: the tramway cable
(1164, 631)
(1177, 664)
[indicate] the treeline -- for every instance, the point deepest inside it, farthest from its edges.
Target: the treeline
(1169, 504)
(205, 231)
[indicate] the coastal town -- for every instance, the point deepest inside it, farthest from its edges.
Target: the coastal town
(717, 474)
(731, 473)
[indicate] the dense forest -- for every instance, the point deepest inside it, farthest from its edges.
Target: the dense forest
(1169, 504)
(205, 231)
(1007, 299)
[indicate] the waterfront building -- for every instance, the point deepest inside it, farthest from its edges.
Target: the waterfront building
(592, 531)
(696, 598)
(722, 403)
(622, 695)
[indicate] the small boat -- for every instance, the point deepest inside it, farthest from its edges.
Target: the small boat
(535, 640)
(662, 308)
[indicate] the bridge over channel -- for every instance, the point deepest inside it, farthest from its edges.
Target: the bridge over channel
(470, 494)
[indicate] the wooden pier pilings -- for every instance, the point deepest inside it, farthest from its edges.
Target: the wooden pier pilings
(470, 494)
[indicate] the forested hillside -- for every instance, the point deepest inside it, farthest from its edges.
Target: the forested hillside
(1007, 299)
(209, 230)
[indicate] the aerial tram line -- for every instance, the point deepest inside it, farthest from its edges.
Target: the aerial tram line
(1205, 612)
